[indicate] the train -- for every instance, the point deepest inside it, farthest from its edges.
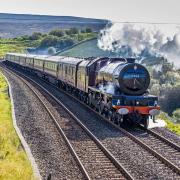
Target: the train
(117, 88)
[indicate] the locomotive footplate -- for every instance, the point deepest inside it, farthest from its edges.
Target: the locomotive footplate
(135, 106)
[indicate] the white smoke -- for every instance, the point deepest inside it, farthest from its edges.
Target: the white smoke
(108, 88)
(142, 40)
(157, 123)
(157, 68)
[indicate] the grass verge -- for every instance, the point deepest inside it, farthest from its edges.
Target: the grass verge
(170, 125)
(14, 164)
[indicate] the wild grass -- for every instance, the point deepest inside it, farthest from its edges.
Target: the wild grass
(5, 48)
(15, 45)
(170, 125)
(14, 164)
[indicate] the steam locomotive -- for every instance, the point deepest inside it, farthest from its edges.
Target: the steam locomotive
(115, 87)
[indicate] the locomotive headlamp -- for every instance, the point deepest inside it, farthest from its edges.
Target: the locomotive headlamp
(123, 111)
(154, 112)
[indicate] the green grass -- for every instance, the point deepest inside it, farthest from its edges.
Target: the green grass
(20, 45)
(12, 45)
(5, 48)
(14, 164)
(86, 49)
(170, 125)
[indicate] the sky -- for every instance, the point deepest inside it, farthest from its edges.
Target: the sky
(152, 11)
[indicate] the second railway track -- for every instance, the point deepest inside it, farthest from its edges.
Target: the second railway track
(169, 151)
(94, 160)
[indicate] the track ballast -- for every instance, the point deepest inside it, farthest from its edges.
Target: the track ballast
(135, 139)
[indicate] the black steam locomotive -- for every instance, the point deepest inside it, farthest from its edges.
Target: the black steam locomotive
(115, 87)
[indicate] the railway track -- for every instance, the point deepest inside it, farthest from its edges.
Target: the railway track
(155, 152)
(167, 134)
(164, 139)
(164, 149)
(165, 146)
(94, 160)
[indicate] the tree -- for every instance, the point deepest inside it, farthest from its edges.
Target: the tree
(83, 31)
(170, 99)
(152, 82)
(80, 37)
(35, 36)
(155, 89)
(88, 30)
(172, 77)
(68, 42)
(63, 43)
(25, 37)
(167, 67)
(176, 113)
(156, 74)
(57, 32)
(72, 31)
(49, 41)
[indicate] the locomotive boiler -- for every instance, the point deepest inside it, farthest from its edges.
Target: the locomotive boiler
(128, 77)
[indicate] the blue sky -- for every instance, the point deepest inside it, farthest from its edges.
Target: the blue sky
(167, 11)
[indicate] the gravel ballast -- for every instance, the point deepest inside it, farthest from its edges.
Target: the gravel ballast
(96, 163)
(170, 153)
(140, 163)
(168, 134)
(48, 148)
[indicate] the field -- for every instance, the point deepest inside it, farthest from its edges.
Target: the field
(42, 42)
(14, 164)
(4, 48)
(86, 49)
(14, 45)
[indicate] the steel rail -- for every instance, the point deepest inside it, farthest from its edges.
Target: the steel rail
(57, 125)
(118, 165)
(160, 137)
(131, 136)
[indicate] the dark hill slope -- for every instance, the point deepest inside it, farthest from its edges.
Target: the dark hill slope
(12, 25)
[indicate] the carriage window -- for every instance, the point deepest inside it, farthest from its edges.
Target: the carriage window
(65, 69)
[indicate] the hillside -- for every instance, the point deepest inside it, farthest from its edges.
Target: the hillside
(86, 49)
(13, 25)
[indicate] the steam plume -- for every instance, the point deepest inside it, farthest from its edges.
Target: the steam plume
(108, 88)
(142, 40)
